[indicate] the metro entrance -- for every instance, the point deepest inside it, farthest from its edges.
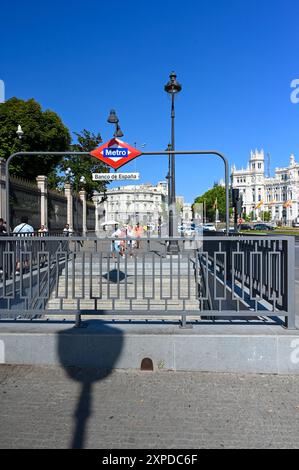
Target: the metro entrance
(225, 277)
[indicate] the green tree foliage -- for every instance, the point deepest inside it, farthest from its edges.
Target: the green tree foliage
(266, 216)
(217, 193)
(43, 130)
(82, 166)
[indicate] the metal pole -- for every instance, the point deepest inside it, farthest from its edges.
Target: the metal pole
(172, 178)
(169, 191)
(168, 152)
(173, 148)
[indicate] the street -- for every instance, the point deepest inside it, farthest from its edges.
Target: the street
(51, 407)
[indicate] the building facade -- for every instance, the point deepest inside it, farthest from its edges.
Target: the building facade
(143, 203)
(277, 195)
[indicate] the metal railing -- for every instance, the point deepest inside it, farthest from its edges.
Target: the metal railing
(228, 277)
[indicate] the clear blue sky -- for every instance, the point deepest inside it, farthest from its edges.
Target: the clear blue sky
(234, 58)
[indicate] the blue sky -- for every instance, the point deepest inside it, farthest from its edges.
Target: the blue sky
(234, 58)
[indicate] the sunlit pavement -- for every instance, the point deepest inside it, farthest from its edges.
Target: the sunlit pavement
(40, 407)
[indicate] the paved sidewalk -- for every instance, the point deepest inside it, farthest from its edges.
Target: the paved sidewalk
(55, 408)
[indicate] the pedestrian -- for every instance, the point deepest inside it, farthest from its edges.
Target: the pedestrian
(116, 243)
(138, 232)
(23, 230)
(131, 243)
(42, 231)
(67, 231)
(3, 230)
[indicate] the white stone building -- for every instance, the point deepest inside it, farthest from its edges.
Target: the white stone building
(278, 194)
(142, 203)
(184, 210)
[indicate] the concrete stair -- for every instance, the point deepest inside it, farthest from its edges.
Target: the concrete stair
(95, 281)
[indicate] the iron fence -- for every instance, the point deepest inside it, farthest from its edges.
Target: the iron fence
(230, 277)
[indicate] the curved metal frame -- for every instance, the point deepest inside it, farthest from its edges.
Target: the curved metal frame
(167, 153)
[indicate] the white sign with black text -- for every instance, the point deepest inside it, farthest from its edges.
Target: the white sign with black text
(115, 176)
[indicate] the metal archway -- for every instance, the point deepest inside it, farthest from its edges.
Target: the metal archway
(167, 153)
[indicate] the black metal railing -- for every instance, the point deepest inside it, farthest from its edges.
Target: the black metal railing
(248, 277)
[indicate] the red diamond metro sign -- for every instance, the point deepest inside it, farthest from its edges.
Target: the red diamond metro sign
(115, 153)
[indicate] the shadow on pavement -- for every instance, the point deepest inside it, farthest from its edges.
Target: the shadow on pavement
(88, 355)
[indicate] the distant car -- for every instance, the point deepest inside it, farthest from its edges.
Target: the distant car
(209, 228)
(263, 227)
(230, 230)
(244, 227)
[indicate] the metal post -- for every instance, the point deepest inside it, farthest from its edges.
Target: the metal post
(169, 190)
(173, 246)
(173, 155)
(290, 270)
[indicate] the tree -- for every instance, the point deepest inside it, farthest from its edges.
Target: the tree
(83, 166)
(266, 216)
(43, 130)
(213, 199)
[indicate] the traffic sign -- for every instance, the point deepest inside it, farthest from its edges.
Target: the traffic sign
(115, 153)
(115, 176)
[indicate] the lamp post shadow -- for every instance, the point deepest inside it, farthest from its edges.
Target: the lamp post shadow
(88, 355)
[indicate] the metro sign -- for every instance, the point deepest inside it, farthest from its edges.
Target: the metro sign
(115, 153)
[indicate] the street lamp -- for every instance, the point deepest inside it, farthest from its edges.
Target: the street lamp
(19, 132)
(135, 212)
(168, 177)
(172, 87)
(113, 119)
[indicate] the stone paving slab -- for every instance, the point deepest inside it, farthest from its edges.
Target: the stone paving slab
(52, 407)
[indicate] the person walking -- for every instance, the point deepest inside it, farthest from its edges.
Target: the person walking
(23, 230)
(138, 232)
(67, 231)
(3, 230)
(116, 243)
(42, 231)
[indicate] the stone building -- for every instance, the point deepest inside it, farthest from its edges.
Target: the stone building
(144, 203)
(277, 195)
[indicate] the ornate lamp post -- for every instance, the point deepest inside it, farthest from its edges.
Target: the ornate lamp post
(19, 132)
(113, 119)
(72, 179)
(172, 87)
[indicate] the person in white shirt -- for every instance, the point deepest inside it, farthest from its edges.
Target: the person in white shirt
(67, 230)
(23, 227)
(116, 245)
(22, 230)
